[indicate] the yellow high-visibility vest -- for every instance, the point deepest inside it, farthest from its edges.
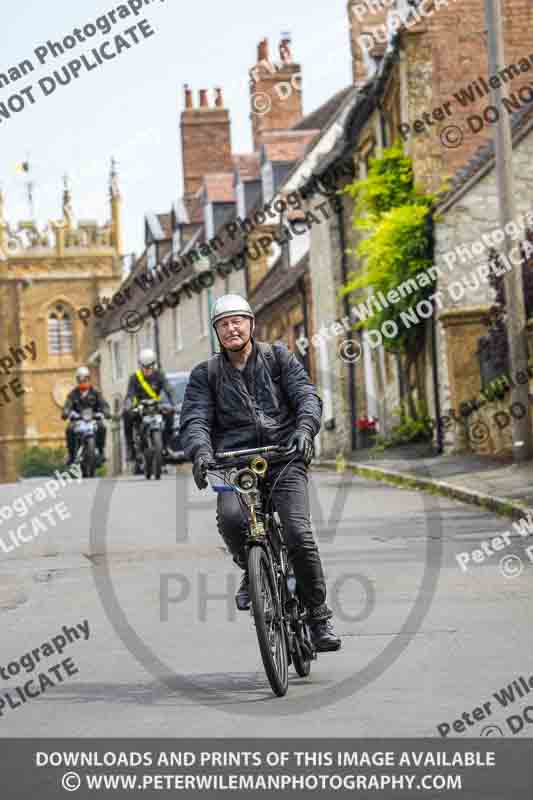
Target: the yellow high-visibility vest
(146, 386)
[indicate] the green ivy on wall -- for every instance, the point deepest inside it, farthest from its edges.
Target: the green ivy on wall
(396, 217)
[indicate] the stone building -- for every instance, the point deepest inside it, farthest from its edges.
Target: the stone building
(204, 260)
(444, 60)
(50, 282)
(467, 226)
(437, 57)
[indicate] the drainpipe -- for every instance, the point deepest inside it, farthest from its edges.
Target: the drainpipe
(434, 356)
(157, 340)
(436, 388)
(210, 303)
(351, 366)
(301, 287)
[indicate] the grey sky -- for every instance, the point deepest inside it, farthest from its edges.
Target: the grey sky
(130, 106)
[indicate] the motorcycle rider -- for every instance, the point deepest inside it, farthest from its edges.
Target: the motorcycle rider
(84, 395)
(147, 383)
(245, 406)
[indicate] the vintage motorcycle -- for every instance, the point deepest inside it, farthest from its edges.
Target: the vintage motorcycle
(87, 455)
(148, 437)
(277, 607)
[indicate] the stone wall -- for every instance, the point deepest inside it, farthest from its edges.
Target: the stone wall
(466, 298)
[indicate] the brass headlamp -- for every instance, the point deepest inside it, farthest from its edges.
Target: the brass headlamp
(259, 465)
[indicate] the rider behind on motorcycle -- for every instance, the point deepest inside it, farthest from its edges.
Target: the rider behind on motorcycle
(84, 395)
(147, 383)
(245, 406)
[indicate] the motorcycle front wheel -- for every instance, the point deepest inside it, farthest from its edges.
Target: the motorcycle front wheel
(148, 455)
(157, 454)
(88, 464)
(269, 624)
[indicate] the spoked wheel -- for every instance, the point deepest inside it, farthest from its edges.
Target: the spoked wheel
(148, 459)
(88, 467)
(302, 650)
(269, 626)
(157, 454)
(301, 655)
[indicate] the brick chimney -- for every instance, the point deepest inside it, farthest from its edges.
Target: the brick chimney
(275, 91)
(367, 20)
(205, 139)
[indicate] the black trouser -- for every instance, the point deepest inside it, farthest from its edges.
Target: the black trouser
(130, 418)
(291, 500)
(100, 440)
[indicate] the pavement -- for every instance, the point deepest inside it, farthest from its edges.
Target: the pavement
(494, 483)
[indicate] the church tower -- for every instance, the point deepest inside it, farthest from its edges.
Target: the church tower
(46, 277)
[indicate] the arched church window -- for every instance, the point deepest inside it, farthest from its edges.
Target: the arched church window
(59, 331)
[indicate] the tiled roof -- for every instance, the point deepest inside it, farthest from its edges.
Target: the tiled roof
(284, 151)
(278, 281)
(139, 301)
(483, 158)
(318, 119)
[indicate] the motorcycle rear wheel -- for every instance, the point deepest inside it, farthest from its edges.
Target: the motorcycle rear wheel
(300, 656)
(269, 625)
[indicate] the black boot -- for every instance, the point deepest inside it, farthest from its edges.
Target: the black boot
(323, 636)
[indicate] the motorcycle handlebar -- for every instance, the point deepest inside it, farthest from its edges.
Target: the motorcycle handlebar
(75, 415)
(241, 457)
(165, 408)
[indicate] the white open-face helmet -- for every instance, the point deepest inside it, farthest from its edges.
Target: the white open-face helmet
(231, 305)
(82, 374)
(147, 358)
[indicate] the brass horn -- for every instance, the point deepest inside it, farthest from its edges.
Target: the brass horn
(259, 465)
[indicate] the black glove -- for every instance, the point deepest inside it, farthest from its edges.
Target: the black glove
(201, 461)
(303, 441)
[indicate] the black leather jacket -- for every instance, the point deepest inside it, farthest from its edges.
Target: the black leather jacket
(93, 399)
(236, 417)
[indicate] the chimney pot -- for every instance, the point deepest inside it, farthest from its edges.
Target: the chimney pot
(262, 51)
(188, 96)
(285, 48)
(219, 100)
(204, 102)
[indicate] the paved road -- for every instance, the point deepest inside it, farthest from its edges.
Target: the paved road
(422, 641)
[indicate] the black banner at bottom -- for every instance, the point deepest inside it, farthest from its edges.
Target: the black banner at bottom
(394, 769)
